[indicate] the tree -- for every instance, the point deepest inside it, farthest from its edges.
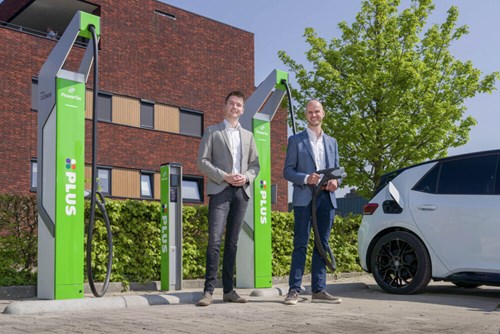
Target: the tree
(393, 94)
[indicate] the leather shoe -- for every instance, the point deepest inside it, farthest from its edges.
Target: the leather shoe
(233, 297)
(205, 300)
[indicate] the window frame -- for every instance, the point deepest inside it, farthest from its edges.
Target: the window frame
(199, 180)
(185, 111)
(110, 96)
(33, 162)
(147, 103)
(34, 81)
(150, 175)
(109, 170)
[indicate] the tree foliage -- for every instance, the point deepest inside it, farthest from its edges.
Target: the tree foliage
(393, 93)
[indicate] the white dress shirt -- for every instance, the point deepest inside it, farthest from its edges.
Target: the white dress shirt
(318, 151)
(235, 145)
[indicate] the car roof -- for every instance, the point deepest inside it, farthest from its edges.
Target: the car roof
(451, 157)
(391, 175)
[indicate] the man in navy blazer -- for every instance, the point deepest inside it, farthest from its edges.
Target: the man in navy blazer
(307, 152)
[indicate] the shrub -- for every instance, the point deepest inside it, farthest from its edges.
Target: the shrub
(136, 241)
(18, 239)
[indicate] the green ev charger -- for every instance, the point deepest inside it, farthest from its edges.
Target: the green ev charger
(61, 165)
(171, 226)
(254, 256)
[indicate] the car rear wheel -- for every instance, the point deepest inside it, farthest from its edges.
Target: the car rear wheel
(400, 263)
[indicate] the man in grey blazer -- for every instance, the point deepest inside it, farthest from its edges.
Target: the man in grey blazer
(307, 152)
(228, 156)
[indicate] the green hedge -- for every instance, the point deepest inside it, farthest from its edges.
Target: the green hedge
(136, 241)
(18, 240)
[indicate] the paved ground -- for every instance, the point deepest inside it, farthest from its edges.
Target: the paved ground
(365, 309)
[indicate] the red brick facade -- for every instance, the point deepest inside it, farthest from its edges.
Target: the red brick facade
(12, 7)
(189, 62)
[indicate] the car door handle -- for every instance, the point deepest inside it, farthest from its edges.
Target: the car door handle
(427, 207)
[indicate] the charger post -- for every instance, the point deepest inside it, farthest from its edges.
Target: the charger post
(61, 165)
(254, 256)
(171, 226)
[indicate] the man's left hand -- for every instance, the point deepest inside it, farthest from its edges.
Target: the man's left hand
(332, 185)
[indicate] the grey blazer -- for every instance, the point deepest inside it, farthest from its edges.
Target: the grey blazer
(215, 159)
(299, 162)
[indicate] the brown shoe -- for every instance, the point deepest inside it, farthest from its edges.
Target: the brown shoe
(325, 297)
(292, 298)
(233, 297)
(205, 300)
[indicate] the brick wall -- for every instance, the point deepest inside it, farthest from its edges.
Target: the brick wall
(9, 8)
(189, 61)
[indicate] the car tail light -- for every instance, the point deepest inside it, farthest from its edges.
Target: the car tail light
(369, 209)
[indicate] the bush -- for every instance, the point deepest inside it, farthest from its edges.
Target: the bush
(18, 239)
(195, 241)
(135, 226)
(343, 242)
(136, 241)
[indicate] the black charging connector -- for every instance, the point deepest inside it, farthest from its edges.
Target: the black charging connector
(94, 200)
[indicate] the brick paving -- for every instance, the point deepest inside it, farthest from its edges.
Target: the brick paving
(365, 309)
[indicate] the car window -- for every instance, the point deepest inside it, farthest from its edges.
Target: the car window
(468, 176)
(386, 178)
(428, 183)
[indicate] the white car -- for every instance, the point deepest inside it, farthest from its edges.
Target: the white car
(436, 220)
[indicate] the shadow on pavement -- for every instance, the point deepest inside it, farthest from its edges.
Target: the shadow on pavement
(483, 298)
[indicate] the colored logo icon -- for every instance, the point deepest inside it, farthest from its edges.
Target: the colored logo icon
(263, 184)
(70, 164)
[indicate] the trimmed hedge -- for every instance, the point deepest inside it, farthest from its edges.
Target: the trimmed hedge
(18, 240)
(136, 241)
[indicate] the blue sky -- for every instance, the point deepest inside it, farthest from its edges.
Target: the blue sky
(279, 25)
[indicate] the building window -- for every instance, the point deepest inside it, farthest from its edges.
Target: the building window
(191, 123)
(147, 184)
(104, 107)
(274, 193)
(104, 180)
(147, 114)
(192, 189)
(34, 94)
(34, 174)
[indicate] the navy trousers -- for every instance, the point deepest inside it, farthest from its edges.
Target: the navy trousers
(302, 214)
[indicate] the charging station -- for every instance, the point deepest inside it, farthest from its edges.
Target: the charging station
(254, 256)
(61, 165)
(171, 226)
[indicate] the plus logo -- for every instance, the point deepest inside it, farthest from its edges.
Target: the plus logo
(164, 228)
(263, 202)
(70, 187)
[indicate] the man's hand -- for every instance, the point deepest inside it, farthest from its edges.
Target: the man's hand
(332, 185)
(236, 180)
(313, 179)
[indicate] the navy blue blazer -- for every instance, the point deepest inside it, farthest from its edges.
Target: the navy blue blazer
(299, 162)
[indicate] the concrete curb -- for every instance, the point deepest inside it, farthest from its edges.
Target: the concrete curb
(29, 291)
(132, 300)
(117, 302)
(47, 306)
